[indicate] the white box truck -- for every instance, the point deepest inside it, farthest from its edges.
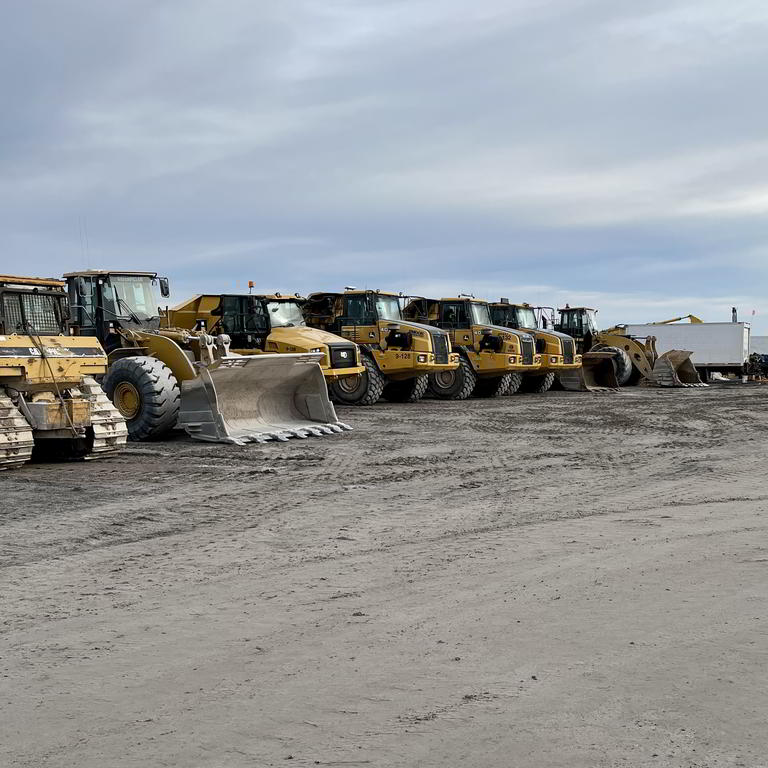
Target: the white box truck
(722, 347)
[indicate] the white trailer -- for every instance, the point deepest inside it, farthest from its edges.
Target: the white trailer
(720, 347)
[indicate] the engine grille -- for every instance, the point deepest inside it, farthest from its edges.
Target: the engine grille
(440, 347)
(342, 356)
(527, 351)
(568, 351)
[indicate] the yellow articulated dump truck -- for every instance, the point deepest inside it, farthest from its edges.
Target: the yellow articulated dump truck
(632, 359)
(51, 405)
(557, 350)
(398, 354)
(269, 323)
(492, 359)
(163, 377)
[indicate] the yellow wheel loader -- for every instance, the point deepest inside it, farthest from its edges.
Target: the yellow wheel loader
(557, 350)
(632, 359)
(258, 324)
(50, 404)
(161, 378)
(398, 354)
(492, 359)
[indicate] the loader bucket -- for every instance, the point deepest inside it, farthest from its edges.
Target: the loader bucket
(597, 374)
(258, 398)
(675, 369)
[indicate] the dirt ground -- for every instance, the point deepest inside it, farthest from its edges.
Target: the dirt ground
(536, 581)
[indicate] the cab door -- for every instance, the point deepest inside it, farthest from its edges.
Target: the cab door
(359, 320)
(243, 319)
(454, 318)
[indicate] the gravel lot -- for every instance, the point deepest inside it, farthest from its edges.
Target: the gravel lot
(535, 581)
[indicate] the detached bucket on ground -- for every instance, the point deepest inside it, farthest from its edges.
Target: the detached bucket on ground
(675, 369)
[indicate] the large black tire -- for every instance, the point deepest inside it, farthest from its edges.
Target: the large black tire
(146, 393)
(365, 389)
(453, 385)
(408, 391)
(538, 384)
(515, 382)
(492, 386)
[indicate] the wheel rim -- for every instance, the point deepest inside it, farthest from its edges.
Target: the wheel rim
(127, 400)
(445, 379)
(350, 384)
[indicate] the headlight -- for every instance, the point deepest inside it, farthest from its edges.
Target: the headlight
(552, 359)
(422, 358)
(317, 349)
(512, 359)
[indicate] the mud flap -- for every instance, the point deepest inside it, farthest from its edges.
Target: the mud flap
(597, 374)
(675, 369)
(258, 398)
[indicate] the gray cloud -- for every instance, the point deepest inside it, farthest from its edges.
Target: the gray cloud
(586, 150)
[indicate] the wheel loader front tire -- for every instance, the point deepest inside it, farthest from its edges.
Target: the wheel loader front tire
(365, 389)
(538, 384)
(408, 391)
(457, 384)
(146, 393)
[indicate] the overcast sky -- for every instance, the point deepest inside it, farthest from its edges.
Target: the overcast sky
(609, 152)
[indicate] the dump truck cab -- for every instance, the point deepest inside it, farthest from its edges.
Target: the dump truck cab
(161, 376)
(557, 350)
(268, 323)
(49, 399)
(398, 354)
(494, 358)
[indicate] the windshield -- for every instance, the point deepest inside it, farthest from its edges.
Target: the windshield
(284, 314)
(526, 317)
(480, 314)
(134, 294)
(591, 320)
(388, 308)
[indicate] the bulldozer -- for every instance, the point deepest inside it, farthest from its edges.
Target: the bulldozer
(557, 350)
(51, 406)
(492, 359)
(162, 377)
(398, 354)
(633, 359)
(268, 323)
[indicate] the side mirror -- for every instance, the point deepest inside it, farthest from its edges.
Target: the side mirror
(80, 287)
(165, 290)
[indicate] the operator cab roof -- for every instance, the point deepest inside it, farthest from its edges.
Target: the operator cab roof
(508, 303)
(461, 298)
(357, 292)
(40, 282)
(571, 309)
(107, 272)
